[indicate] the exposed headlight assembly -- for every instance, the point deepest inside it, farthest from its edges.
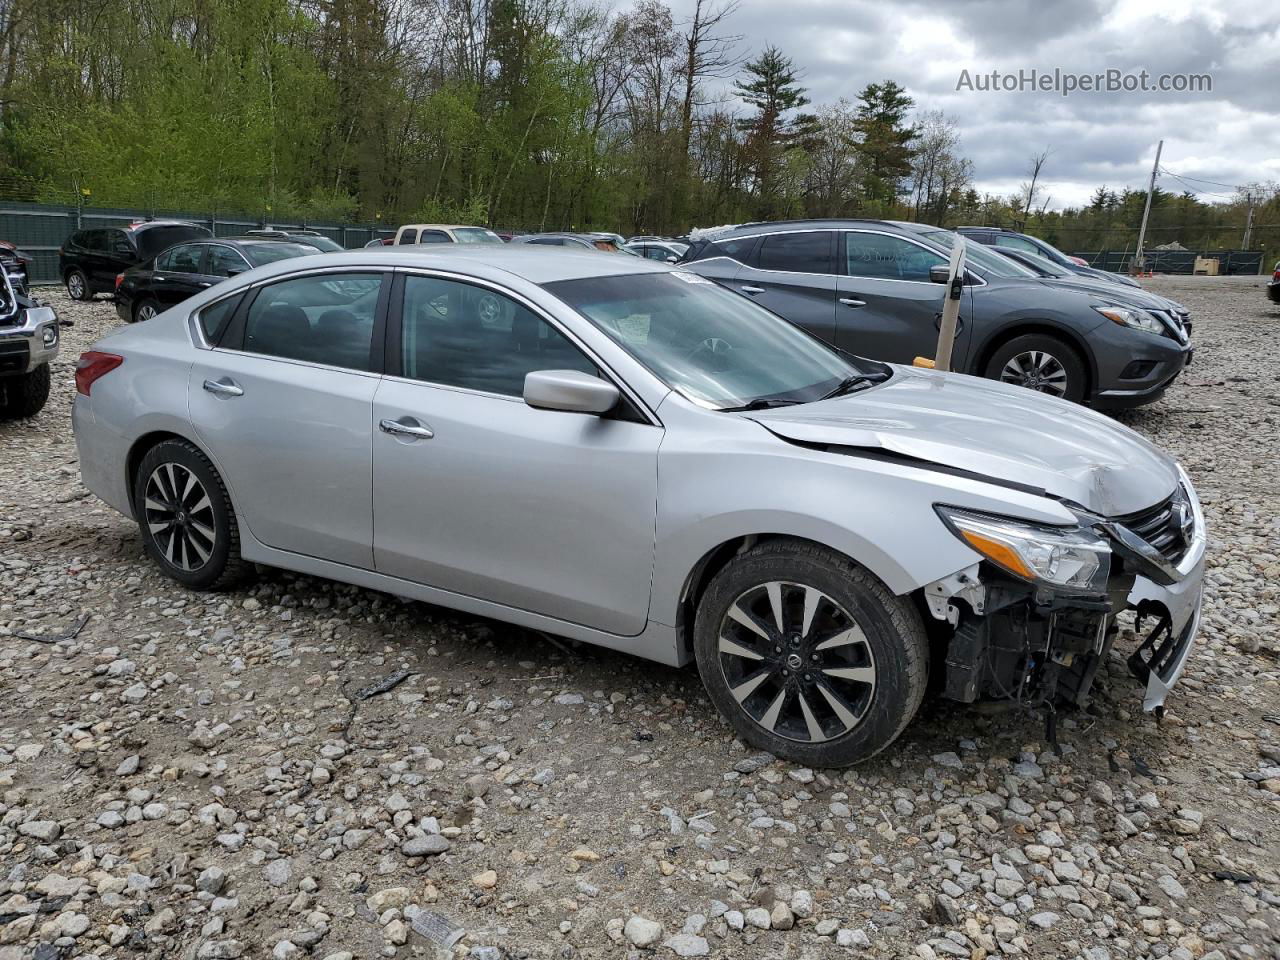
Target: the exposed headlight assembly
(1068, 558)
(1131, 317)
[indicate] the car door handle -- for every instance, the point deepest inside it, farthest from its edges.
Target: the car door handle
(752, 290)
(224, 387)
(204, 283)
(414, 429)
(850, 302)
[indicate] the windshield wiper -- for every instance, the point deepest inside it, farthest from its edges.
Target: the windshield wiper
(849, 384)
(761, 403)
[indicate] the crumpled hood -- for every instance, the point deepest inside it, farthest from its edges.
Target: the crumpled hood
(1001, 431)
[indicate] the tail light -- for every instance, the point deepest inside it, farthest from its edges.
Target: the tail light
(119, 280)
(92, 365)
(1276, 276)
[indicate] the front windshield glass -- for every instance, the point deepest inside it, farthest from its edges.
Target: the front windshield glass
(321, 243)
(980, 257)
(269, 251)
(1045, 265)
(475, 235)
(717, 348)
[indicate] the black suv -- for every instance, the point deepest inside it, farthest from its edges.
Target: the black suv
(871, 287)
(1012, 240)
(90, 260)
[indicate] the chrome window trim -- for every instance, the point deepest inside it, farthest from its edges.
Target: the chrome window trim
(196, 329)
(610, 374)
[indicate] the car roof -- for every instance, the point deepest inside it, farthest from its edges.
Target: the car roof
(148, 224)
(442, 226)
(833, 223)
(252, 241)
(532, 263)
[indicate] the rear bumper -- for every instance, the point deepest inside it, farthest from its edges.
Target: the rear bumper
(1273, 291)
(101, 455)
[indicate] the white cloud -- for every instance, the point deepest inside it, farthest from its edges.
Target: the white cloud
(1228, 135)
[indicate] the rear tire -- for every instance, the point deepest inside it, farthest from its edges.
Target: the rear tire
(1040, 362)
(838, 682)
(146, 310)
(24, 396)
(185, 517)
(78, 285)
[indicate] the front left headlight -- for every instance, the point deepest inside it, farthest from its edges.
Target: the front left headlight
(1070, 558)
(1132, 317)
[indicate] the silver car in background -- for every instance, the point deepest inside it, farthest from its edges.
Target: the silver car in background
(616, 451)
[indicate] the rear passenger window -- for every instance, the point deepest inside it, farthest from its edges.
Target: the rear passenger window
(465, 336)
(321, 318)
(797, 252)
(408, 236)
(214, 318)
(433, 236)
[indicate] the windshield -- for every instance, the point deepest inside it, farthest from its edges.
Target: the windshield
(475, 235)
(272, 250)
(716, 348)
(321, 243)
(152, 240)
(979, 256)
(1043, 264)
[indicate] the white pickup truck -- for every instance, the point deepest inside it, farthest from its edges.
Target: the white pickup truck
(29, 338)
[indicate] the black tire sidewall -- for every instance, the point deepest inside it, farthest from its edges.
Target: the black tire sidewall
(180, 452)
(894, 700)
(1065, 353)
(26, 394)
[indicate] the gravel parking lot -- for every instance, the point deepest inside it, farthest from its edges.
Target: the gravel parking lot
(197, 776)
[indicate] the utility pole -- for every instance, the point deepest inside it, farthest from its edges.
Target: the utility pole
(1146, 211)
(1248, 223)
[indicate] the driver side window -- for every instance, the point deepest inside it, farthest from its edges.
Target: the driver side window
(460, 335)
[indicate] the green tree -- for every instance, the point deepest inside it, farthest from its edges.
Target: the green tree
(772, 88)
(886, 141)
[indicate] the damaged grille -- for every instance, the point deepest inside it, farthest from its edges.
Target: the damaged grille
(1167, 526)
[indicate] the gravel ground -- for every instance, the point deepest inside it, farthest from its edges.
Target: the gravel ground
(194, 776)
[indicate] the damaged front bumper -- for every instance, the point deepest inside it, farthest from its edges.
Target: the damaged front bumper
(1035, 644)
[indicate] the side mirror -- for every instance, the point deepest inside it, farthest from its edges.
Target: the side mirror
(939, 274)
(569, 391)
(673, 259)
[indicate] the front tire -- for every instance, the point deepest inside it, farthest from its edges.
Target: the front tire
(1040, 362)
(185, 517)
(808, 655)
(78, 286)
(24, 396)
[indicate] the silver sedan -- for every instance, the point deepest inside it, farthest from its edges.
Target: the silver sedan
(613, 450)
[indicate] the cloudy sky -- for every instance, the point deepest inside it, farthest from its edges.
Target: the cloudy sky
(1230, 135)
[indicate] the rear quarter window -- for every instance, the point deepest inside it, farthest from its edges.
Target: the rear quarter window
(215, 317)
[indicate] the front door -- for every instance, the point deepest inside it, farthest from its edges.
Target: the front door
(792, 274)
(284, 404)
(886, 306)
(479, 494)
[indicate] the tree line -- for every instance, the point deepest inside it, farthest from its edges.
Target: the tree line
(526, 114)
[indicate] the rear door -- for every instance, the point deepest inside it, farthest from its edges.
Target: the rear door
(793, 274)
(179, 274)
(887, 308)
(115, 254)
(284, 405)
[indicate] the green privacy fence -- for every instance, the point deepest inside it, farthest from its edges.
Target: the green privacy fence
(39, 229)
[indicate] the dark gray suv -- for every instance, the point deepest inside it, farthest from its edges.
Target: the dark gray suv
(864, 286)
